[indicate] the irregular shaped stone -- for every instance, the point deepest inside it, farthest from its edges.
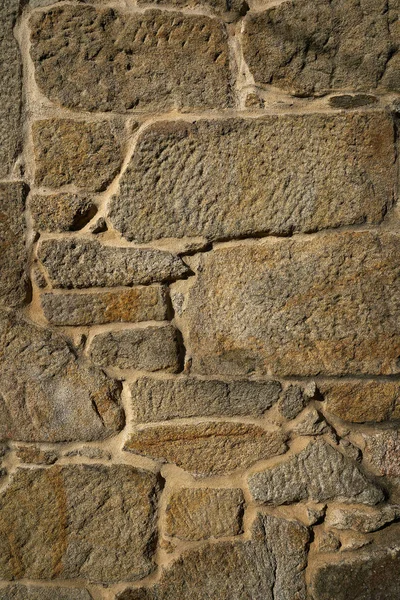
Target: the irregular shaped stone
(11, 88)
(317, 473)
(332, 179)
(14, 256)
(362, 401)
(36, 456)
(61, 212)
(292, 402)
(67, 152)
(327, 304)
(30, 592)
(154, 61)
(147, 303)
(145, 349)
(164, 399)
(382, 451)
(365, 520)
(90, 522)
(75, 263)
(207, 447)
(349, 102)
(198, 514)
(47, 394)
(312, 423)
(310, 48)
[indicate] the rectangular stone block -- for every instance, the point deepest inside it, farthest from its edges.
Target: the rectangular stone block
(244, 177)
(325, 304)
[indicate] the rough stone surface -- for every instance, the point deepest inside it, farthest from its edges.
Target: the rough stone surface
(36, 456)
(61, 212)
(164, 399)
(152, 61)
(197, 514)
(67, 152)
(382, 451)
(229, 9)
(349, 102)
(312, 47)
(341, 172)
(293, 401)
(30, 592)
(327, 304)
(364, 520)
(14, 255)
(74, 263)
(92, 522)
(46, 393)
(146, 303)
(145, 349)
(317, 473)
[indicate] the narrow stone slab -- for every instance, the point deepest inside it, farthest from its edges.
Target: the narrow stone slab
(141, 303)
(61, 212)
(365, 520)
(89, 522)
(30, 592)
(164, 399)
(232, 178)
(154, 61)
(76, 263)
(324, 304)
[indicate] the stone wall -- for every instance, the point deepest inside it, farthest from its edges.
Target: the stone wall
(199, 300)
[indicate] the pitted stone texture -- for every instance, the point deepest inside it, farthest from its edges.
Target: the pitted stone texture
(231, 178)
(46, 393)
(67, 152)
(30, 592)
(207, 447)
(292, 402)
(198, 514)
(362, 401)
(317, 473)
(90, 522)
(164, 399)
(327, 304)
(145, 349)
(75, 263)
(61, 212)
(153, 61)
(11, 88)
(230, 10)
(365, 520)
(141, 303)
(13, 280)
(382, 451)
(34, 455)
(311, 48)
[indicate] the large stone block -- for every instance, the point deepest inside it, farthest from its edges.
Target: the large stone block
(314, 47)
(151, 61)
(30, 592)
(233, 178)
(89, 522)
(326, 304)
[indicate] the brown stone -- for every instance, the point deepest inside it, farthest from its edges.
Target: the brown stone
(207, 447)
(333, 178)
(229, 9)
(325, 304)
(198, 514)
(145, 303)
(154, 61)
(36, 456)
(33, 592)
(382, 451)
(90, 522)
(61, 212)
(67, 152)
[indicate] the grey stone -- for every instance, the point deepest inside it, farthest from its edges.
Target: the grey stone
(317, 473)
(61, 212)
(382, 451)
(365, 520)
(347, 101)
(74, 263)
(170, 188)
(30, 592)
(312, 423)
(36, 456)
(154, 61)
(90, 452)
(292, 402)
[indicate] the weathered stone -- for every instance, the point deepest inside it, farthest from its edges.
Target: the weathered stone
(313, 47)
(356, 101)
(145, 349)
(11, 88)
(382, 451)
(30, 592)
(46, 393)
(365, 520)
(362, 401)
(207, 447)
(61, 212)
(312, 423)
(36, 456)
(327, 304)
(333, 178)
(135, 304)
(13, 281)
(354, 541)
(67, 152)
(326, 541)
(317, 473)
(75, 263)
(229, 9)
(292, 402)
(198, 514)
(90, 452)
(90, 522)
(164, 399)
(151, 61)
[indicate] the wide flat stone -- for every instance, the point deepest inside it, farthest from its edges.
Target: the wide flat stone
(326, 304)
(90, 522)
(154, 61)
(231, 178)
(30, 592)
(61, 212)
